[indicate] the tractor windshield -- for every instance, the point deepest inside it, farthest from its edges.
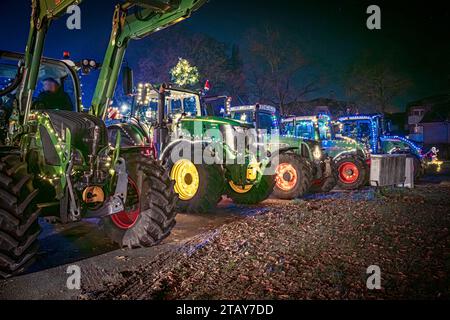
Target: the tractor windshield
(8, 72)
(177, 103)
(303, 129)
(266, 121)
(357, 129)
(246, 116)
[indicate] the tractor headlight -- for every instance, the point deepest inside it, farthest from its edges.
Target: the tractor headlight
(317, 153)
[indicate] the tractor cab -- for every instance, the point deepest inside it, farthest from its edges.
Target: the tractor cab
(178, 103)
(372, 130)
(365, 128)
(308, 127)
(57, 90)
(263, 117)
(57, 83)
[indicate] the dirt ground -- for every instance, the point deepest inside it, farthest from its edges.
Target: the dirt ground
(316, 248)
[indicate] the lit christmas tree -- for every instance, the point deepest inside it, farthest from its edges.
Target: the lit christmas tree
(183, 74)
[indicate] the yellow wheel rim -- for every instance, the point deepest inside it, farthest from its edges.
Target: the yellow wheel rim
(186, 178)
(240, 189)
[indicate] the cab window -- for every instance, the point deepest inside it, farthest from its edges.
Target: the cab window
(305, 129)
(55, 89)
(324, 130)
(267, 122)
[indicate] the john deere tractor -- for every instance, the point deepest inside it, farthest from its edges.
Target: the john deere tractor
(207, 157)
(58, 160)
(349, 156)
(302, 164)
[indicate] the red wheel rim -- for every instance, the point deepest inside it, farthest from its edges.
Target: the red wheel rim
(128, 218)
(348, 172)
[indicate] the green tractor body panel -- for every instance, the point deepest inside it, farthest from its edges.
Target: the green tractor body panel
(320, 129)
(209, 123)
(266, 118)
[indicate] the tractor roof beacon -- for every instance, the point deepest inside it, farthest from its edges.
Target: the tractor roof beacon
(303, 166)
(350, 156)
(67, 152)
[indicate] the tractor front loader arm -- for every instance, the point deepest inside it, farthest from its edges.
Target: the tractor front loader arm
(135, 20)
(42, 14)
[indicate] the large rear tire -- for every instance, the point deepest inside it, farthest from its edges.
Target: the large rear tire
(352, 172)
(19, 228)
(293, 178)
(149, 214)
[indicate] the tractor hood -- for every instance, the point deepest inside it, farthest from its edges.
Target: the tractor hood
(220, 121)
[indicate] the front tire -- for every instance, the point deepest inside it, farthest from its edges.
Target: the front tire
(293, 178)
(19, 228)
(352, 172)
(150, 213)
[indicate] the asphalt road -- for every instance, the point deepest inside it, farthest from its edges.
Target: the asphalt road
(82, 244)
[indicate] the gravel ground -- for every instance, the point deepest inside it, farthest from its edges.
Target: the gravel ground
(319, 248)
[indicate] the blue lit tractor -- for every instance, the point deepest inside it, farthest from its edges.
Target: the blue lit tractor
(350, 157)
(372, 131)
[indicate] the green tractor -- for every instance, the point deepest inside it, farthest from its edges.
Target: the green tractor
(206, 156)
(56, 160)
(351, 158)
(302, 165)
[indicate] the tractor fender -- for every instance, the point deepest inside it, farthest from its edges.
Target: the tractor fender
(344, 154)
(131, 135)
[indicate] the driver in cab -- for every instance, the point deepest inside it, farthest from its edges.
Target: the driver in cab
(53, 97)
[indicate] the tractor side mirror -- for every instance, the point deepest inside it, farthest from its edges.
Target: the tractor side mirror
(127, 81)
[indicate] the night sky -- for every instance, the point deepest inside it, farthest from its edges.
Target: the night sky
(414, 37)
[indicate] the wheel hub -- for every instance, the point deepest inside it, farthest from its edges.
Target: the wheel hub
(348, 172)
(187, 179)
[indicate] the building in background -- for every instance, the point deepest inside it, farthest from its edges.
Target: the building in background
(429, 123)
(426, 109)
